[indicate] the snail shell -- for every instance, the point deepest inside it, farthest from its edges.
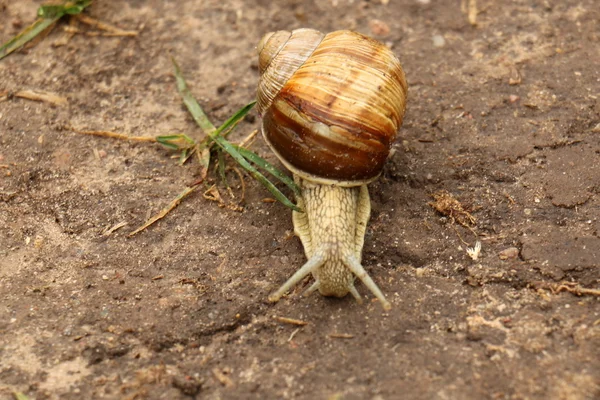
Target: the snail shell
(331, 104)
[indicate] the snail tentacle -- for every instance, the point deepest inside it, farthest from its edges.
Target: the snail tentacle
(357, 269)
(313, 263)
(355, 294)
(311, 289)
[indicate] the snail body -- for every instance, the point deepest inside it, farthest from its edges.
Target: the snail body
(331, 106)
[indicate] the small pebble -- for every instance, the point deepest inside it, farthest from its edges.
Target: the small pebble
(509, 253)
(513, 98)
(38, 242)
(438, 41)
(379, 28)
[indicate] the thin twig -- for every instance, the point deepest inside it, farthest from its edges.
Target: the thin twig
(66, 38)
(453, 225)
(104, 26)
(341, 336)
(42, 96)
(74, 30)
(108, 231)
(291, 321)
(213, 194)
(472, 14)
(246, 142)
(242, 184)
(174, 203)
(114, 135)
(293, 334)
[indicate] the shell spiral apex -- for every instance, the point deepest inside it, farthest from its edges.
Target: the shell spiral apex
(331, 104)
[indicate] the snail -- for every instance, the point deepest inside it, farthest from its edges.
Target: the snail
(331, 105)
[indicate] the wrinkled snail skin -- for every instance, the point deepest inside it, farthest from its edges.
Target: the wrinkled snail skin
(331, 106)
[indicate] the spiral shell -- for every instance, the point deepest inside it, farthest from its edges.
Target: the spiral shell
(331, 104)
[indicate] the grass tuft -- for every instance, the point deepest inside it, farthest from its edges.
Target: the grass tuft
(48, 15)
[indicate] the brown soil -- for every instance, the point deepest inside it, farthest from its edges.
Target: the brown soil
(504, 116)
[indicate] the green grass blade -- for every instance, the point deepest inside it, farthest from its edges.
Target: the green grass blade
(182, 142)
(204, 123)
(51, 11)
(78, 7)
(270, 168)
(235, 118)
(235, 154)
(190, 102)
(20, 396)
(228, 131)
(169, 145)
(229, 148)
(48, 15)
(203, 151)
(221, 166)
(26, 35)
(58, 10)
(185, 154)
(176, 142)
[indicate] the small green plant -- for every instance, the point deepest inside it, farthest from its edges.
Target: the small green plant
(216, 136)
(243, 156)
(214, 140)
(48, 15)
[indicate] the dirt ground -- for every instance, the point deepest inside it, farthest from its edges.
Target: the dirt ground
(504, 115)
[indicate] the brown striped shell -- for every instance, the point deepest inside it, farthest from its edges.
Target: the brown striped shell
(331, 104)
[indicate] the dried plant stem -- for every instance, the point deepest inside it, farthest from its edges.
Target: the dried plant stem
(114, 135)
(167, 209)
(112, 30)
(46, 97)
(571, 287)
(291, 321)
(248, 140)
(341, 336)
